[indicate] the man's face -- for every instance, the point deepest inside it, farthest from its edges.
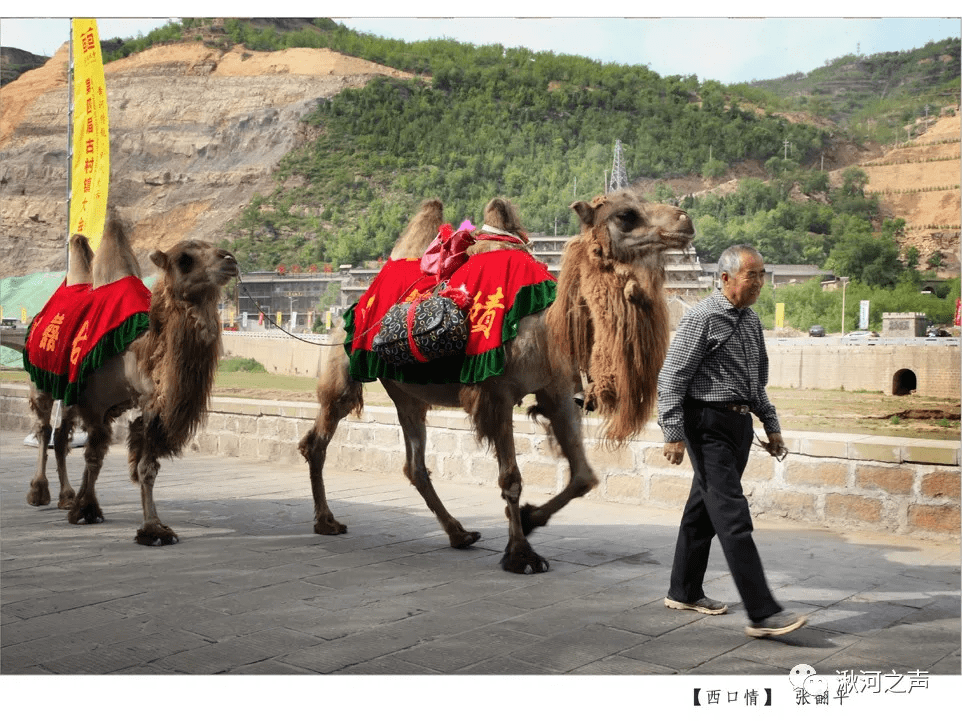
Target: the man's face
(743, 287)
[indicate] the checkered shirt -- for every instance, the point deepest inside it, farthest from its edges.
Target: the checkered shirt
(708, 361)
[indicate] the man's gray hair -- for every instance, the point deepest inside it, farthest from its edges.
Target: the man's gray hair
(730, 260)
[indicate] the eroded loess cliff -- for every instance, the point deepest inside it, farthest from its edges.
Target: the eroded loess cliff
(195, 133)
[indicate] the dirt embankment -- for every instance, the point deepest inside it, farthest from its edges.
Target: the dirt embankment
(919, 182)
(195, 133)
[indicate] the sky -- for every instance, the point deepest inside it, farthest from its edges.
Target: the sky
(747, 46)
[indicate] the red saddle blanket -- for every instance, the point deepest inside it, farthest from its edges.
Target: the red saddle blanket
(79, 329)
(504, 286)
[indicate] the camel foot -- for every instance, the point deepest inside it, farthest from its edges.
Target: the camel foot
(531, 518)
(156, 535)
(39, 493)
(522, 559)
(329, 526)
(88, 514)
(66, 500)
(463, 539)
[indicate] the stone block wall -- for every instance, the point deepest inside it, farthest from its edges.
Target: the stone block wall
(842, 482)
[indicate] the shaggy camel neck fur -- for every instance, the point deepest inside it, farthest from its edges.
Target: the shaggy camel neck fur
(612, 317)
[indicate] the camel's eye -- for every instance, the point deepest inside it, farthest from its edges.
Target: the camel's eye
(185, 262)
(627, 219)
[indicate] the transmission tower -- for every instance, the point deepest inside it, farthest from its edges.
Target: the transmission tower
(619, 178)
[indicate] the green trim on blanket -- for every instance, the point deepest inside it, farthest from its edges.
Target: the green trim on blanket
(112, 343)
(366, 366)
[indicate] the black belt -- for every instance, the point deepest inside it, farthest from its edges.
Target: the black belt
(742, 408)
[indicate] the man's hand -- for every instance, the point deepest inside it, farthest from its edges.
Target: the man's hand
(776, 446)
(675, 452)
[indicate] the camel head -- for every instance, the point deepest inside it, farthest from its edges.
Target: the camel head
(80, 260)
(420, 231)
(194, 271)
(634, 228)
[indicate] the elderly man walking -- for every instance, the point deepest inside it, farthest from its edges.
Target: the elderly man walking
(713, 379)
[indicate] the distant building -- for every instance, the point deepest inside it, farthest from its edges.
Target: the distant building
(904, 324)
(687, 278)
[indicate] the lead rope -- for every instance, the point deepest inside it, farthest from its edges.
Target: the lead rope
(301, 339)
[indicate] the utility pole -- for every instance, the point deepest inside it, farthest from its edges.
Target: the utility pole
(619, 178)
(844, 281)
(786, 144)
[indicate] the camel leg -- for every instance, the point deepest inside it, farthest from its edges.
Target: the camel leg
(565, 421)
(411, 415)
(85, 506)
(144, 466)
(337, 395)
(41, 404)
(61, 447)
(492, 417)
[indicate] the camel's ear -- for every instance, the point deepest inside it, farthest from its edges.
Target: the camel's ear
(585, 212)
(160, 259)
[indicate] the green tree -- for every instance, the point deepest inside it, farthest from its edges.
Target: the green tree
(714, 169)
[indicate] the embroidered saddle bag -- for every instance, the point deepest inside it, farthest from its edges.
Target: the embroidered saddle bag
(422, 330)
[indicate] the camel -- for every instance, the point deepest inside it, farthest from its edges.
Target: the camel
(611, 278)
(167, 372)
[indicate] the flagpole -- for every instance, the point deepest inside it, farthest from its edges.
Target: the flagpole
(69, 135)
(70, 70)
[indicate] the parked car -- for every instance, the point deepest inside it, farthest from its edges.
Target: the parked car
(860, 334)
(816, 331)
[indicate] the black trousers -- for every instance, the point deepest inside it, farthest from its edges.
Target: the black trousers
(718, 443)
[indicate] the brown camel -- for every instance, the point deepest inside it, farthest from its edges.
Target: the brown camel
(167, 373)
(618, 262)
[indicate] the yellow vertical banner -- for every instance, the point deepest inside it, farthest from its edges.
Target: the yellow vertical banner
(278, 318)
(90, 173)
(779, 315)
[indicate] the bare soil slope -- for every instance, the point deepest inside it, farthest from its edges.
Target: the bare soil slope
(919, 182)
(195, 133)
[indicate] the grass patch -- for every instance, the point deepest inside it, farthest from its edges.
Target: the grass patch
(240, 365)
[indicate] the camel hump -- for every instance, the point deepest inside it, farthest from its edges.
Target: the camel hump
(115, 258)
(79, 261)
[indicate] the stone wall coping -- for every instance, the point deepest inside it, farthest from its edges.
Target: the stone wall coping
(852, 446)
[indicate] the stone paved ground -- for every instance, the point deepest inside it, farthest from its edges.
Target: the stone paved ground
(251, 589)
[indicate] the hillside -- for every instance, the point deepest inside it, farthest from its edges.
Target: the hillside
(878, 92)
(919, 182)
(304, 155)
(195, 134)
(15, 62)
